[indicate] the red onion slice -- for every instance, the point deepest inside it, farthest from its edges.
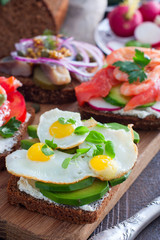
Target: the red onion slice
(101, 105)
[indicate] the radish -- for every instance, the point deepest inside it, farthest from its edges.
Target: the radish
(147, 32)
(114, 45)
(150, 10)
(101, 105)
(156, 106)
(122, 24)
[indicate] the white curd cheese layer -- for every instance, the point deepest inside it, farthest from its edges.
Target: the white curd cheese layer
(6, 144)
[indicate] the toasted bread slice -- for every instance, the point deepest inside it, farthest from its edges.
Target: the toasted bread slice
(150, 122)
(59, 211)
(18, 136)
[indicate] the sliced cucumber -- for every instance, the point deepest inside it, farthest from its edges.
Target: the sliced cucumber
(40, 79)
(116, 98)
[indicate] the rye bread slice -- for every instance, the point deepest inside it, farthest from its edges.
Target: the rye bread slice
(150, 122)
(34, 93)
(59, 211)
(19, 136)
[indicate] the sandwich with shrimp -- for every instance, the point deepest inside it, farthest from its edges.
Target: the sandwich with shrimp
(50, 67)
(126, 90)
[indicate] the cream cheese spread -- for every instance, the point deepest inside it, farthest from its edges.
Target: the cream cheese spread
(6, 144)
(141, 113)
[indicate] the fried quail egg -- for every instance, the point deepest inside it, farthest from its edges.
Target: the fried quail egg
(32, 164)
(50, 127)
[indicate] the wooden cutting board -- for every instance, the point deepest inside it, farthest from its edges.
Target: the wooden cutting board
(16, 223)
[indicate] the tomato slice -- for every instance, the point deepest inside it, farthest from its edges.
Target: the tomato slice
(18, 106)
(10, 84)
(5, 111)
(99, 86)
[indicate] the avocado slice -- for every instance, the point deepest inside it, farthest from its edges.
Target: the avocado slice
(32, 131)
(65, 187)
(117, 181)
(116, 98)
(27, 143)
(79, 197)
(117, 126)
(40, 79)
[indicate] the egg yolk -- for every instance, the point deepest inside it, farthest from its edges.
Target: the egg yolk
(59, 130)
(35, 153)
(103, 166)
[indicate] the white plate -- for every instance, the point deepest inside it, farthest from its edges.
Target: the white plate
(104, 35)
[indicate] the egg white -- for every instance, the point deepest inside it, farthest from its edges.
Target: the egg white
(125, 150)
(48, 118)
(18, 164)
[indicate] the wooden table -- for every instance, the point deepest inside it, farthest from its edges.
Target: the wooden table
(82, 17)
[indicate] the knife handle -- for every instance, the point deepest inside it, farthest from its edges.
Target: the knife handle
(130, 228)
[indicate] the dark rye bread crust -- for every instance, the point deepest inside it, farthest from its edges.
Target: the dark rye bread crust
(25, 19)
(60, 212)
(148, 123)
(22, 131)
(34, 93)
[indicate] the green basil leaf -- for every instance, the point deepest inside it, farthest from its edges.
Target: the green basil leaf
(46, 150)
(63, 121)
(66, 163)
(98, 151)
(109, 149)
(72, 121)
(51, 144)
(81, 130)
(95, 137)
(101, 125)
(83, 150)
(10, 128)
(76, 156)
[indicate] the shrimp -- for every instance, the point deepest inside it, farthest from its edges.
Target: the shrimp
(119, 75)
(127, 54)
(131, 89)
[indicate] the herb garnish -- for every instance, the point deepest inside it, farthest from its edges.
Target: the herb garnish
(97, 137)
(63, 121)
(79, 152)
(48, 147)
(109, 149)
(135, 69)
(47, 150)
(10, 128)
(81, 130)
(98, 151)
